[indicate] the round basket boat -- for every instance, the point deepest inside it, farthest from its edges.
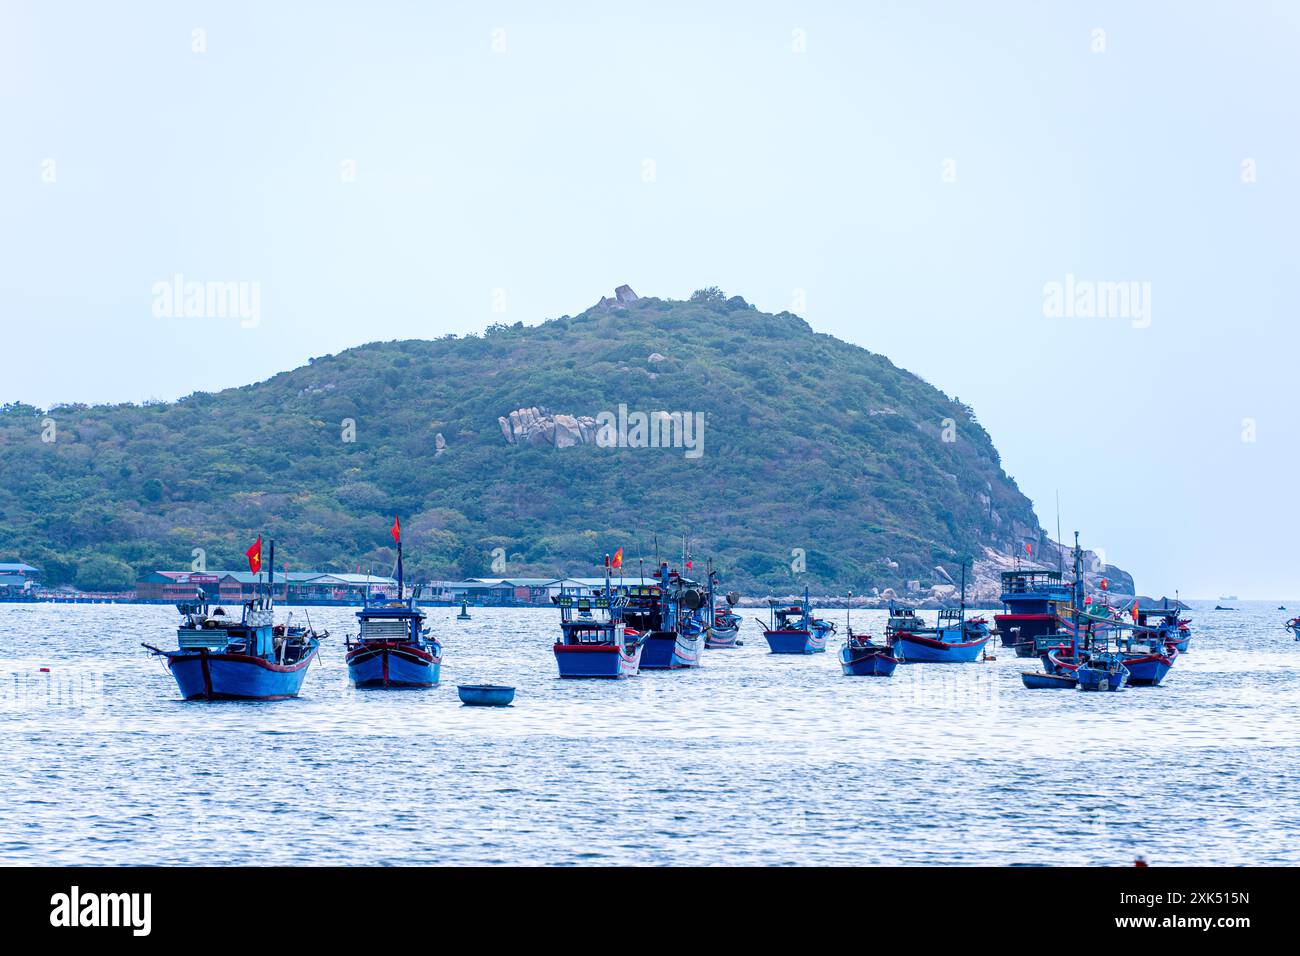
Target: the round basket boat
(485, 695)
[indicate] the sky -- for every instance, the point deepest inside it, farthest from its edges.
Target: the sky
(909, 177)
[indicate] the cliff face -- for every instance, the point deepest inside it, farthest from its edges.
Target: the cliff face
(786, 456)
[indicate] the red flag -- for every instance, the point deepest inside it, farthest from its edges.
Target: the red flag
(1135, 611)
(1105, 585)
(1029, 549)
(618, 559)
(689, 565)
(396, 531)
(1088, 599)
(254, 555)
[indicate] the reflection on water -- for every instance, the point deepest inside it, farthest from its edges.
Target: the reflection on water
(751, 759)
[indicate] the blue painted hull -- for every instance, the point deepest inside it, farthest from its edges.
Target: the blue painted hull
(1048, 681)
(869, 664)
(598, 660)
(484, 695)
(796, 642)
(393, 666)
(1096, 679)
(220, 676)
(665, 650)
(1147, 670)
(915, 649)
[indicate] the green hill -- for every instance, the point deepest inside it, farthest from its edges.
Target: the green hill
(809, 443)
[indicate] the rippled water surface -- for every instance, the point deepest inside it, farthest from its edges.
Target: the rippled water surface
(752, 759)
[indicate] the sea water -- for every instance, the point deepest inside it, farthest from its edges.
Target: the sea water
(750, 759)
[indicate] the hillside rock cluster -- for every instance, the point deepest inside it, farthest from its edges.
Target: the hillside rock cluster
(537, 426)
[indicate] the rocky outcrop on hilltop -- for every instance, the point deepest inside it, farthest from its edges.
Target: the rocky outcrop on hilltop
(623, 297)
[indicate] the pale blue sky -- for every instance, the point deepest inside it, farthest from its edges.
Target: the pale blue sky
(776, 171)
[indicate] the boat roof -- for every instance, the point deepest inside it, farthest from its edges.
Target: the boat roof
(17, 568)
(1033, 573)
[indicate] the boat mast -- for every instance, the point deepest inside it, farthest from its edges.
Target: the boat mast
(270, 578)
(401, 587)
(1078, 593)
(961, 614)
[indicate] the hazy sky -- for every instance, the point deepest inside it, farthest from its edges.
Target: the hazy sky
(907, 176)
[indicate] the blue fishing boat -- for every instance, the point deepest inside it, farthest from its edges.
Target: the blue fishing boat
(1167, 622)
(793, 629)
(1102, 671)
(1034, 599)
(596, 639)
(861, 656)
(485, 695)
(723, 629)
(669, 615)
(219, 658)
(1049, 681)
(393, 648)
(953, 639)
(1293, 625)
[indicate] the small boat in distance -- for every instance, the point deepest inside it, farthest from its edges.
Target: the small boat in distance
(861, 656)
(596, 640)
(218, 658)
(393, 647)
(793, 629)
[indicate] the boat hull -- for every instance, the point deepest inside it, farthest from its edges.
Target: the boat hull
(1030, 626)
(796, 642)
(1147, 670)
(1179, 644)
(205, 675)
(666, 650)
(1042, 681)
(915, 649)
(876, 663)
(393, 665)
(598, 660)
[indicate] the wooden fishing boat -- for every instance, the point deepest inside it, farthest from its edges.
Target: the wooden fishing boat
(218, 658)
(861, 656)
(594, 642)
(793, 629)
(1102, 671)
(1293, 625)
(393, 648)
(953, 639)
(1034, 599)
(1042, 680)
(669, 615)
